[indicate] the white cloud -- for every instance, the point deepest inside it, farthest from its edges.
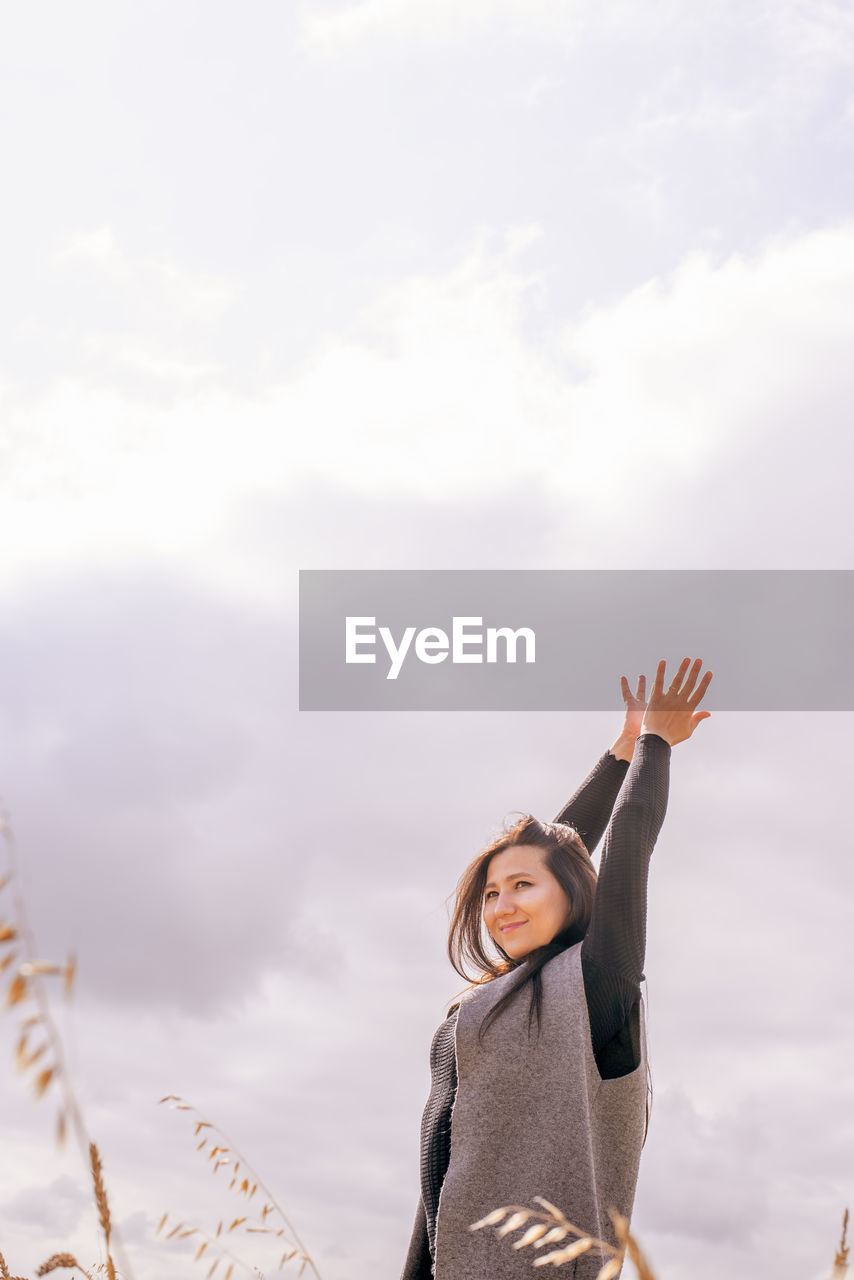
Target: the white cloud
(740, 85)
(151, 284)
(429, 401)
(680, 370)
(57, 1208)
(814, 35)
(820, 31)
(325, 29)
(453, 387)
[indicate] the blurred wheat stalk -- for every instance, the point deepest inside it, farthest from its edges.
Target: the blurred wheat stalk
(550, 1226)
(40, 1051)
(840, 1262)
(244, 1181)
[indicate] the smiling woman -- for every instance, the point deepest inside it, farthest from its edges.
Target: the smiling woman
(524, 904)
(546, 1096)
(539, 876)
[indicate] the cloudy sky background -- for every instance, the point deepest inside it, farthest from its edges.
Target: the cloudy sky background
(413, 284)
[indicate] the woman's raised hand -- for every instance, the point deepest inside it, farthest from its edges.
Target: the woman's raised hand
(635, 706)
(624, 747)
(671, 712)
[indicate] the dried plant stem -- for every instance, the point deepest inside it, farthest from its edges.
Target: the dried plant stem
(630, 1245)
(65, 1260)
(102, 1204)
(840, 1262)
(183, 1231)
(552, 1227)
(37, 989)
(552, 1217)
(70, 1107)
(181, 1105)
(5, 1273)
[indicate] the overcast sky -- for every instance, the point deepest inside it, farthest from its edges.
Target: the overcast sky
(508, 284)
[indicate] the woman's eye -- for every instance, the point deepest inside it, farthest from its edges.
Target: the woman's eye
(523, 883)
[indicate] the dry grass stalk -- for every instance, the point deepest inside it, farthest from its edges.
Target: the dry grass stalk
(26, 985)
(840, 1262)
(46, 1058)
(245, 1181)
(551, 1227)
(214, 1244)
(102, 1204)
(183, 1231)
(4, 1270)
(59, 1260)
(631, 1246)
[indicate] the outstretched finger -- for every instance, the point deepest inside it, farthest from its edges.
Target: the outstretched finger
(658, 686)
(697, 695)
(625, 689)
(677, 679)
(641, 693)
(692, 677)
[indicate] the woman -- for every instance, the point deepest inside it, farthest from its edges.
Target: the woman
(539, 1072)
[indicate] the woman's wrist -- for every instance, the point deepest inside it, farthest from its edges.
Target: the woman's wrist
(648, 731)
(624, 747)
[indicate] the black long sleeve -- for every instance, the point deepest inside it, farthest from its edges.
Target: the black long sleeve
(591, 805)
(612, 953)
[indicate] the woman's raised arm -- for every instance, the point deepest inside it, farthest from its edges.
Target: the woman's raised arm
(614, 946)
(591, 806)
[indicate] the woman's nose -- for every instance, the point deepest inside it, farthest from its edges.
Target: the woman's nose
(504, 905)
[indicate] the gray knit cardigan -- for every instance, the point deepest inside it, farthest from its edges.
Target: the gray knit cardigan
(533, 1117)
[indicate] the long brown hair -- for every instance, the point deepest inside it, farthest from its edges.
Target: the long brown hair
(567, 858)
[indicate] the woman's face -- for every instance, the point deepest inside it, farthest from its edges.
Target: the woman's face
(524, 906)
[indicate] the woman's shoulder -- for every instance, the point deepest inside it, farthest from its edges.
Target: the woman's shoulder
(557, 972)
(561, 970)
